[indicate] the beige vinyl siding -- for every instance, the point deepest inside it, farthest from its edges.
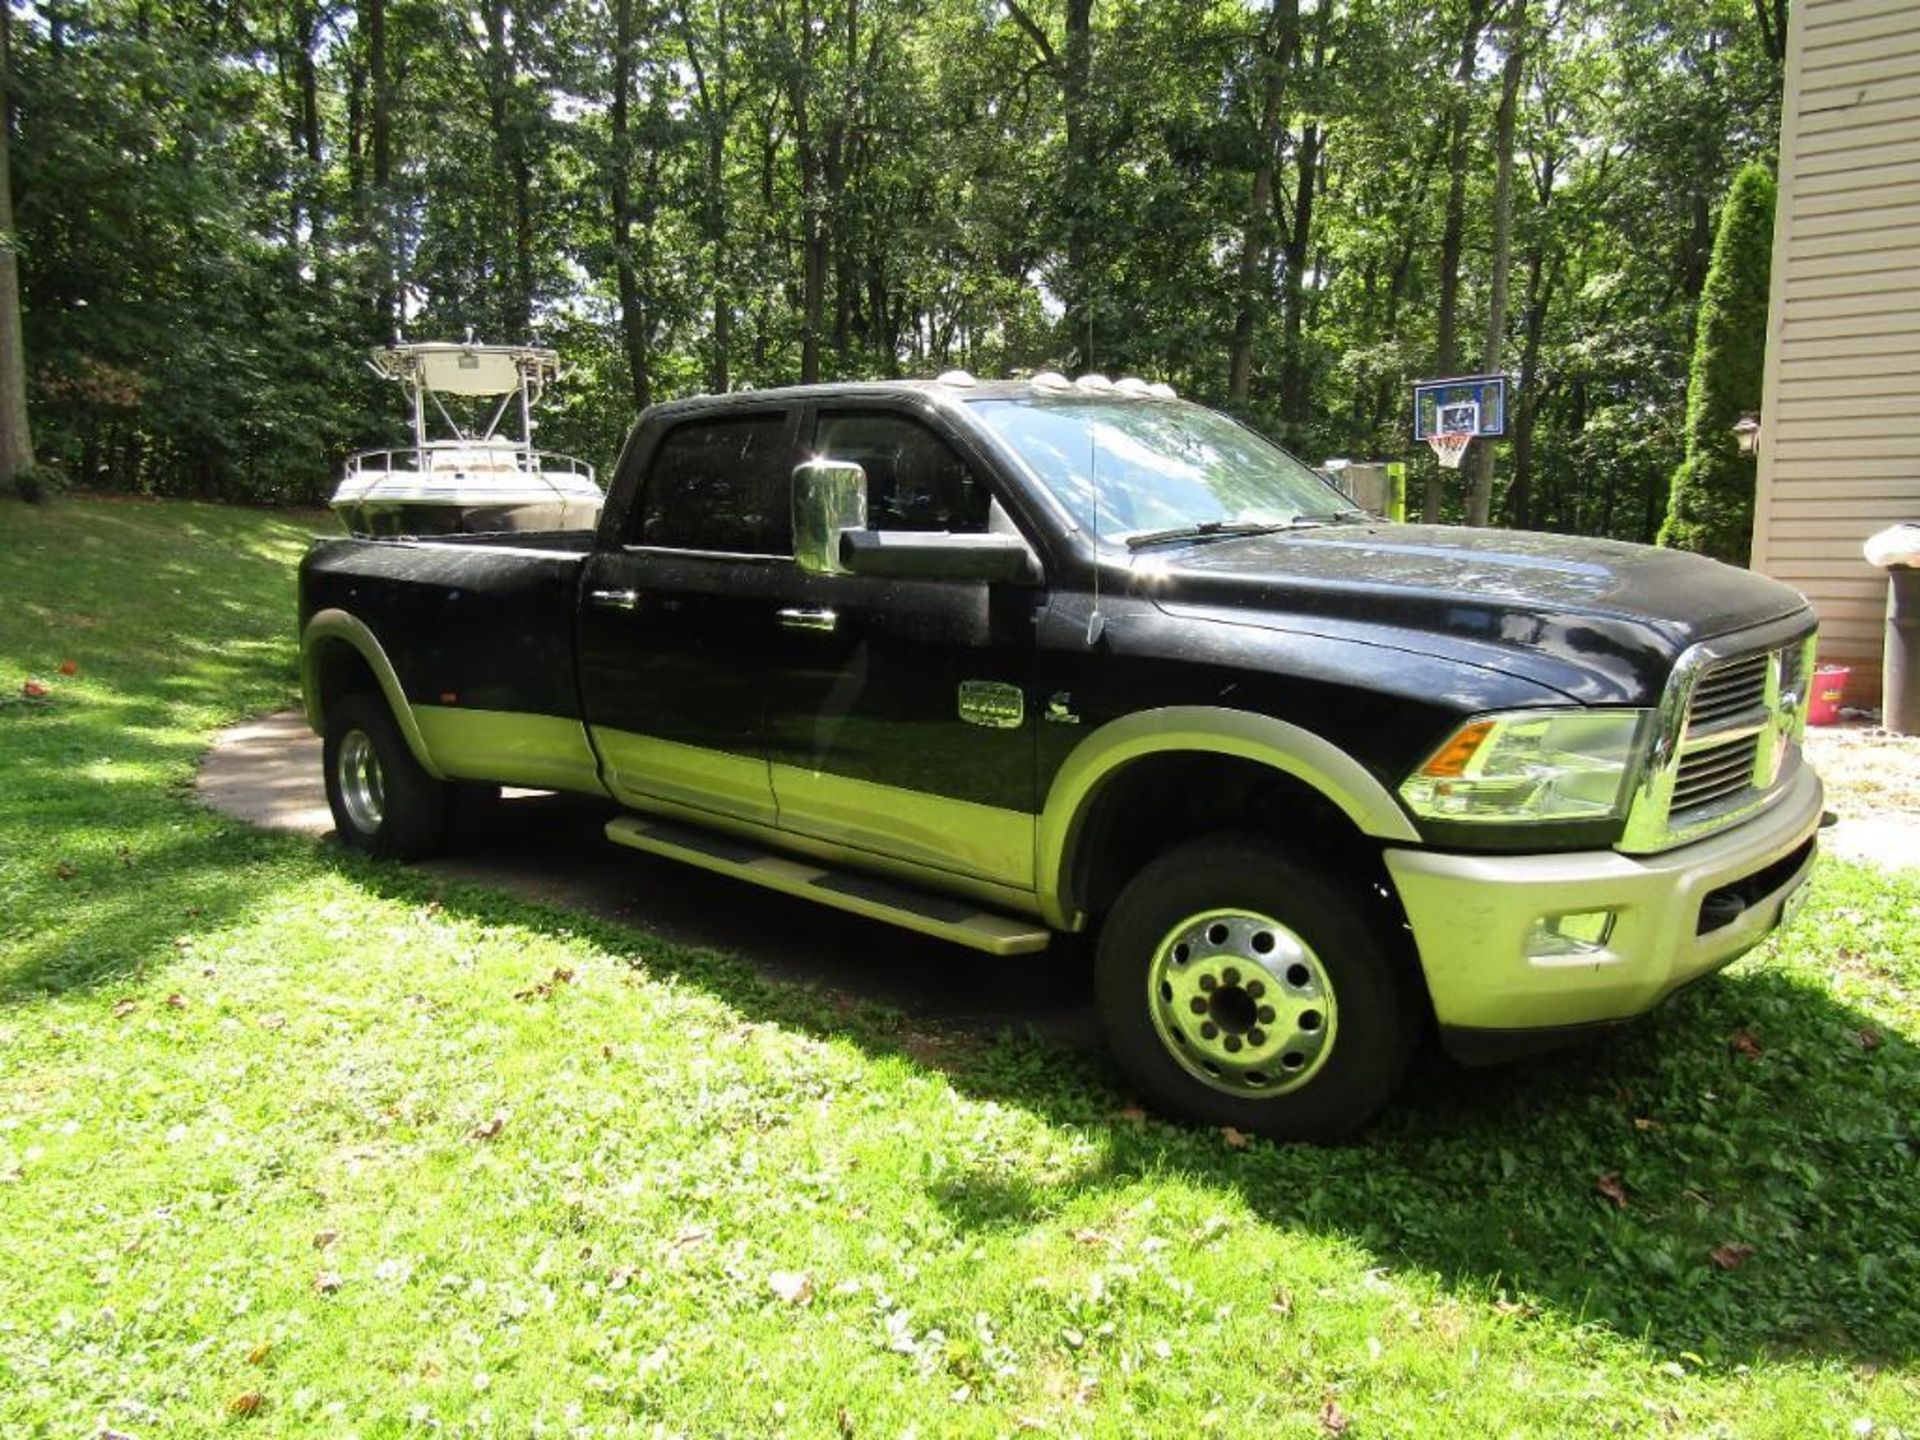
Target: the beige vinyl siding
(1840, 453)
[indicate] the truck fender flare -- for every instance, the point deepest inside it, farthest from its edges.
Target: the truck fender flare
(330, 626)
(1206, 729)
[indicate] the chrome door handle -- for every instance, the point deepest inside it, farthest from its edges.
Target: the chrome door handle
(614, 599)
(808, 619)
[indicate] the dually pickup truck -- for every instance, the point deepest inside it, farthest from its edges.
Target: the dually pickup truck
(1000, 662)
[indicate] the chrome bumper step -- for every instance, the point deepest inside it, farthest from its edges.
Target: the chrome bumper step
(960, 921)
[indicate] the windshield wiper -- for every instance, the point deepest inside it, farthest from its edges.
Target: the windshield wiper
(1205, 530)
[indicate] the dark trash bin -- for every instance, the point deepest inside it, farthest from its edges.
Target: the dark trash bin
(1898, 551)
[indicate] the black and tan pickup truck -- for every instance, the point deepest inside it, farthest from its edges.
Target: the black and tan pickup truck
(1001, 662)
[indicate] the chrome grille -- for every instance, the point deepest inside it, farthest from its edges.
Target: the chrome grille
(1709, 776)
(1726, 738)
(1730, 691)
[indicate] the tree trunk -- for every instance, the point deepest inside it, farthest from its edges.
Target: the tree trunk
(1453, 233)
(1293, 362)
(1480, 496)
(16, 435)
(1281, 43)
(385, 241)
(815, 239)
(633, 317)
(1081, 203)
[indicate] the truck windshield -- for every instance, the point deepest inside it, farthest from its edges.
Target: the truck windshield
(1160, 469)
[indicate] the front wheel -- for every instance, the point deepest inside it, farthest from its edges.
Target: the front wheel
(383, 803)
(1237, 986)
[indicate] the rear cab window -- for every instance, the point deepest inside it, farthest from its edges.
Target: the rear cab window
(720, 485)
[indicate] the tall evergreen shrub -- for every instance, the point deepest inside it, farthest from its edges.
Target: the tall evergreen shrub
(1710, 506)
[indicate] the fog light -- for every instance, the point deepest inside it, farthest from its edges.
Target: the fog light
(1581, 933)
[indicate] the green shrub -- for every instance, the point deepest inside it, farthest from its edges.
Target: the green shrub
(35, 483)
(1710, 506)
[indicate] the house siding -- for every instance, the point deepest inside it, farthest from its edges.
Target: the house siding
(1840, 452)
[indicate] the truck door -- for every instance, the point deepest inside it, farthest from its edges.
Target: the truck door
(901, 714)
(677, 623)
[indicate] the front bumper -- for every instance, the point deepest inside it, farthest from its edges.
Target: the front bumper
(1471, 915)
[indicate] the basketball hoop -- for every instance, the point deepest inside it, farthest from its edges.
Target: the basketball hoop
(1449, 447)
(1455, 426)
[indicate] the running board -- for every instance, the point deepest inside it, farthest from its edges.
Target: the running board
(960, 921)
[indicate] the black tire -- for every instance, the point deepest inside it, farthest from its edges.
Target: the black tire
(383, 803)
(1291, 967)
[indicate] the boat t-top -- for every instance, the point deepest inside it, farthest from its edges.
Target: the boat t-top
(470, 478)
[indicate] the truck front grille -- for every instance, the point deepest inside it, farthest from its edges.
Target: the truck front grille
(1726, 741)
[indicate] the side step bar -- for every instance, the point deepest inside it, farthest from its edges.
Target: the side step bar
(960, 921)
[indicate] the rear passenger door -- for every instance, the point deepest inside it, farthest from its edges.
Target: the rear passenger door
(677, 620)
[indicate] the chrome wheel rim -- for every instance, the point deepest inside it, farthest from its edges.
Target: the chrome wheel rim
(1241, 1003)
(363, 788)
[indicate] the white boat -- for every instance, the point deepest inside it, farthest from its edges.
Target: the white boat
(471, 479)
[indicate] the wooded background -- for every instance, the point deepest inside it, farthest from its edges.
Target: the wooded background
(1289, 211)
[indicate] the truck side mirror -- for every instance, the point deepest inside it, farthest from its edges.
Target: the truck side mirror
(829, 496)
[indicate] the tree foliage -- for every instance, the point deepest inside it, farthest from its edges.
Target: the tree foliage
(1278, 205)
(1711, 508)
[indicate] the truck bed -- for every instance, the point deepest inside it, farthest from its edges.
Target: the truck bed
(477, 622)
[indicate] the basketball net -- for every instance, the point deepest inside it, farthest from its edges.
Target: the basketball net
(1450, 447)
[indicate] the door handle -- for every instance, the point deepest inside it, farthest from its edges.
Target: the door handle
(808, 619)
(614, 599)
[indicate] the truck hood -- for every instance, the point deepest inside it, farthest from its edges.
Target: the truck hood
(1602, 621)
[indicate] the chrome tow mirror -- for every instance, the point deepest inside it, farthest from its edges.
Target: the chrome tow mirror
(829, 497)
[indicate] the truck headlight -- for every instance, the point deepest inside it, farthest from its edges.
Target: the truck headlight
(1530, 765)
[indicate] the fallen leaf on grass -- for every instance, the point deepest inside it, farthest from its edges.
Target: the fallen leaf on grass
(1091, 1237)
(620, 1277)
(546, 987)
(489, 1130)
(124, 1009)
(1282, 1304)
(1609, 1185)
(690, 1235)
(1744, 1042)
(793, 1286)
(326, 1282)
(258, 1355)
(1732, 1255)
(65, 871)
(1333, 1419)
(33, 690)
(12, 1175)
(843, 1423)
(176, 1002)
(1867, 1038)
(247, 1404)
(67, 667)
(1133, 1114)
(1643, 1124)
(324, 1238)
(1235, 1139)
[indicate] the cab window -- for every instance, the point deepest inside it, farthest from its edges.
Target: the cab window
(721, 485)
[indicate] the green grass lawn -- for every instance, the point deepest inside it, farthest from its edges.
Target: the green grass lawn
(296, 1144)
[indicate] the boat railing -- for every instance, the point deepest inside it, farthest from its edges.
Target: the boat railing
(453, 459)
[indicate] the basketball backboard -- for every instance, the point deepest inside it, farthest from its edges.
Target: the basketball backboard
(1487, 393)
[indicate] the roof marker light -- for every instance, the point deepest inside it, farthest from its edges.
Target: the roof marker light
(1134, 386)
(956, 377)
(1098, 384)
(1050, 380)
(1160, 390)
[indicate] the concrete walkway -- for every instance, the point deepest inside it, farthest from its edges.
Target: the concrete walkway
(551, 848)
